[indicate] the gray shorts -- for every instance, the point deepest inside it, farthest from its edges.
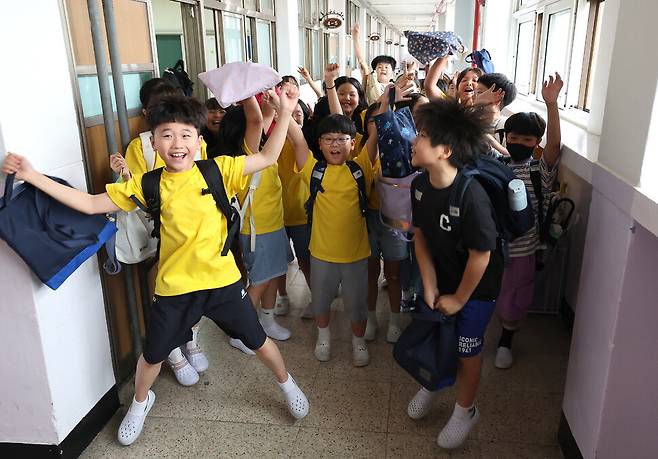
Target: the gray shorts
(383, 242)
(325, 278)
(269, 260)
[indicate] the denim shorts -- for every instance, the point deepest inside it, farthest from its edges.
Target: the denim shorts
(300, 235)
(269, 260)
(383, 242)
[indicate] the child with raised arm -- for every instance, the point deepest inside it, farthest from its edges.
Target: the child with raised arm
(523, 132)
(460, 267)
(378, 75)
(193, 278)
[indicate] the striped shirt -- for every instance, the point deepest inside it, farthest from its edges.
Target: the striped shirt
(527, 244)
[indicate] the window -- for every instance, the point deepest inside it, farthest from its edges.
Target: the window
(557, 36)
(264, 42)
(210, 37)
(310, 33)
(351, 15)
(233, 41)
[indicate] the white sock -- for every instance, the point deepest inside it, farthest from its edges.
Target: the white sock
(142, 405)
(176, 356)
(462, 412)
(287, 385)
(358, 340)
(267, 317)
(324, 334)
(394, 319)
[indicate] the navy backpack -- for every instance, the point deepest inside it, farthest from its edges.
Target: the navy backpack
(427, 348)
(482, 60)
(52, 239)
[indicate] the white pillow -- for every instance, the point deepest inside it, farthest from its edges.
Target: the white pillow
(237, 81)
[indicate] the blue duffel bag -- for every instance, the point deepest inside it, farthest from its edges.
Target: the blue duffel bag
(52, 239)
(427, 348)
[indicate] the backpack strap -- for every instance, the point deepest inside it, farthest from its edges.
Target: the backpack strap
(151, 192)
(456, 198)
(213, 177)
(249, 204)
(316, 186)
(360, 179)
(147, 150)
(535, 177)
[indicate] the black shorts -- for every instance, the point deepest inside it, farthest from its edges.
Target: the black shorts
(172, 318)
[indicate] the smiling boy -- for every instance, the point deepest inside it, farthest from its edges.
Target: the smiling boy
(194, 279)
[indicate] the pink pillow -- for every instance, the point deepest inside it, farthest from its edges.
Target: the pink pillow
(237, 81)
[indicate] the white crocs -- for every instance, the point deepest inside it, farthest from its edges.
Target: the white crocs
(458, 427)
(360, 356)
(282, 306)
(504, 358)
(196, 357)
(420, 405)
(322, 350)
(133, 422)
(185, 373)
(275, 331)
(393, 333)
(238, 344)
(295, 399)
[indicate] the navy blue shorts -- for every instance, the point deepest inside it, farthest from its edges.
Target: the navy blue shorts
(472, 321)
(172, 317)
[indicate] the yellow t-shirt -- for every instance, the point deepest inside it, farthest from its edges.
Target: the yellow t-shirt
(137, 163)
(358, 138)
(192, 231)
(266, 203)
(339, 233)
(295, 191)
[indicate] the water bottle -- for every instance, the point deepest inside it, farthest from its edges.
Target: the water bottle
(516, 195)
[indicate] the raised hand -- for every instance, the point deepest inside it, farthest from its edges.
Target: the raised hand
(17, 164)
(288, 98)
(303, 71)
(331, 72)
(118, 165)
(491, 96)
(551, 88)
(355, 29)
(272, 99)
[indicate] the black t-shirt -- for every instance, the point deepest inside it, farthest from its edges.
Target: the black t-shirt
(449, 249)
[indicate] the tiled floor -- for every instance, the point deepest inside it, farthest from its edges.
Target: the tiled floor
(236, 408)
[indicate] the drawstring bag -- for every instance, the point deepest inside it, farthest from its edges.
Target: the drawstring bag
(395, 132)
(427, 46)
(52, 239)
(237, 81)
(427, 348)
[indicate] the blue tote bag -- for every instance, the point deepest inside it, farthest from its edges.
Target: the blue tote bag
(427, 348)
(52, 239)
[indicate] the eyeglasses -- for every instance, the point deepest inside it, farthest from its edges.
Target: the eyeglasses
(336, 141)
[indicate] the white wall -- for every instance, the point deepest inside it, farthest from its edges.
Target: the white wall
(55, 360)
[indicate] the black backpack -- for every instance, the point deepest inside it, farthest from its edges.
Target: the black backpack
(494, 176)
(316, 186)
(177, 76)
(213, 177)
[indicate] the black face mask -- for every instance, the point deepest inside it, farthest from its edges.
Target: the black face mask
(519, 152)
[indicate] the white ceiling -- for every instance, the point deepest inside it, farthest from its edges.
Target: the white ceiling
(406, 14)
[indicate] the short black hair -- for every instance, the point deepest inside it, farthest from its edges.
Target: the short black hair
(383, 60)
(447, 122)
(212, 104)
(336, 123)
(526, 123)
(231, 133)
(289, 79)
(177, 109)
(154, 88)
(501, 82)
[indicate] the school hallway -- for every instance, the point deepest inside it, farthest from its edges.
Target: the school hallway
(236, 409)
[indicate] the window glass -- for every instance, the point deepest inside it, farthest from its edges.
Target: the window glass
(251, 5)
(249, 39)
(91, 97)
(267, 6)
(524, 54)
(315, 47)
(233, 43)
(302, 48)
(264, 37)
(557, 45)
(331, 48)
(212, 61)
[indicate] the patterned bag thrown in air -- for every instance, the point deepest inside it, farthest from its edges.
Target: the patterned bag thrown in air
(427, 46)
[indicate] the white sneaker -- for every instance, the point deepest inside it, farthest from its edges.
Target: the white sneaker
(133, 422)
(457, 429)
(185, 373)
(360, 356)
(504, 358)
(196, 357)
(282, 306)
(421, 404)
(295, 399)
(276, 331)
(322, 350)
(238, 344)
(393, 333)
(371, 329)
(307, 313)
